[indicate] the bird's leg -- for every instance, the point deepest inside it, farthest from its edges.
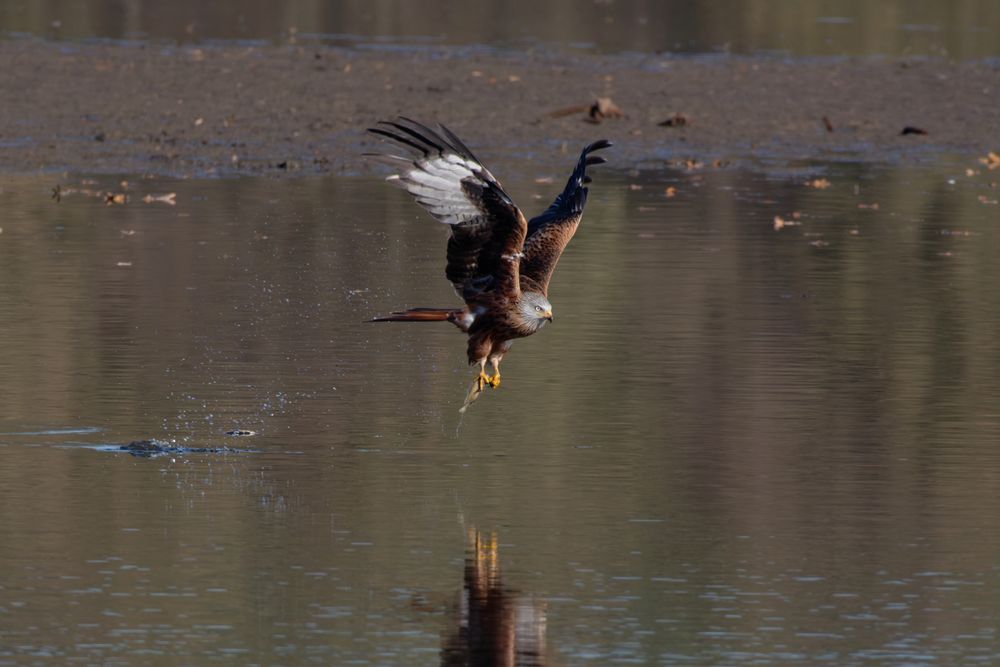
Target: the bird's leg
(494, 380)
(482, 379)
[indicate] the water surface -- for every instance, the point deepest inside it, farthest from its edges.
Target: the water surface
(960, 29)
(735, 445)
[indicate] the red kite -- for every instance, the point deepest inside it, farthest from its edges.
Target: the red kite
(498, 262)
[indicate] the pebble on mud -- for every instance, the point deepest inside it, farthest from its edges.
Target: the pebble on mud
(169, 198)
(674, 120)
(780, 223)
(992, 160)
(604, 107)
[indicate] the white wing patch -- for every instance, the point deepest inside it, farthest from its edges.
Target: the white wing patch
(436, 183)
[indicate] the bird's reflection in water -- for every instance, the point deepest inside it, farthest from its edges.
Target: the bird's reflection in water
(493, 625)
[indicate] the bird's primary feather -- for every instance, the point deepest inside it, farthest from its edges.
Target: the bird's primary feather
(550, 232)
(447, 179)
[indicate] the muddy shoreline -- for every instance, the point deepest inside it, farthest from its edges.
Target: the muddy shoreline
(232, 109)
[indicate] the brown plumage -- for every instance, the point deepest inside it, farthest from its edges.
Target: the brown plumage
(498, 262)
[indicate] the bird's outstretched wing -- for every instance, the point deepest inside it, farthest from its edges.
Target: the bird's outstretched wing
(549, 232)
(443, 175)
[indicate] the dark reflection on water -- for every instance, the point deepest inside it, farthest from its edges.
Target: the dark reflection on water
(494, 625)
(958, 29)
(735, 445)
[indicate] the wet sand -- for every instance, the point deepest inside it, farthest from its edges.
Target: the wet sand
(232, 109)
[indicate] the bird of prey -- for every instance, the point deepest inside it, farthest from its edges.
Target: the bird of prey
(499, 262)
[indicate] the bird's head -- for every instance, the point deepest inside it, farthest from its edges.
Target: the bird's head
(535, 309)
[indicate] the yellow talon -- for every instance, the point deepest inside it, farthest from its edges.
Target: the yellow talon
(494, 381)
(483, 380)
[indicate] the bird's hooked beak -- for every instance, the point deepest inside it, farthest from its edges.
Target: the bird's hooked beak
(547, 315)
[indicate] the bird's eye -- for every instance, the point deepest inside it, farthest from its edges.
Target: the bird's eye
(538, 309)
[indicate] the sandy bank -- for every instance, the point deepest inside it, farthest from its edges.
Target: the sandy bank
(240, 110)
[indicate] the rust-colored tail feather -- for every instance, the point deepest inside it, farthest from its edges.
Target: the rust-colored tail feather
(420, 315)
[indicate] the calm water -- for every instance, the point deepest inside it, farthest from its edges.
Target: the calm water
(956, 29)
(734, 446)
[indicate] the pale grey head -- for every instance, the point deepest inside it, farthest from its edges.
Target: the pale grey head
(535, 309)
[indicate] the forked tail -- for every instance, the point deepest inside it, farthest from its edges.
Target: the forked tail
(421, 315)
